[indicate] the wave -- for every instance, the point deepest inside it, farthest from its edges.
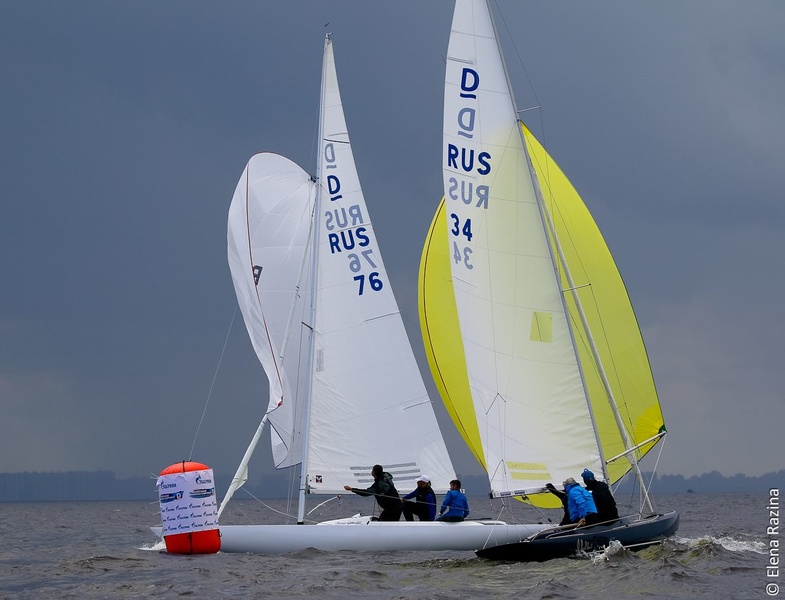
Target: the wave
(159, 546)
(677, 548)
(709, 544)
(613, 552)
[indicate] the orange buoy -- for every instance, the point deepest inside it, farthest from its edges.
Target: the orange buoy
(189, 512)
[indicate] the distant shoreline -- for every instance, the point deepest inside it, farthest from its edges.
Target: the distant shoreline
(81, 486)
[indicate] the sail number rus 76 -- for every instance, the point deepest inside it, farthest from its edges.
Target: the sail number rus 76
(346, 231)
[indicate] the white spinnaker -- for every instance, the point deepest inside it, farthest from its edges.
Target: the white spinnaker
(269, 236)
(368, 404)
(528, 394)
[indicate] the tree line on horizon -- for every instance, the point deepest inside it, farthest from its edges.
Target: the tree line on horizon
(79, 486)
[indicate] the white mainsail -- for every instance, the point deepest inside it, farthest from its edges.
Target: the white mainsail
(368, 402)
(529, 398)
(345, 389)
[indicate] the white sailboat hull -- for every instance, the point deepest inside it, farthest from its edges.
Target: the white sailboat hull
(362, 534)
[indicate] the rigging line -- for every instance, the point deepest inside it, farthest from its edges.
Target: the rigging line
(212, 385)
(657, 462)
(636, 484)
(263, 503)
(518, 55)
(538, 105)
(538, 509)
(580, 261)
(292, 492)
(294, 479)
(337, 497)
(490, 533)
(305, 333)
(314, 144)
(286, 514)
(610, 358)
(631, 498)
(625, 405)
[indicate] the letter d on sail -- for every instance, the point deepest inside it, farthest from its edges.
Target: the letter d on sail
(470, 81)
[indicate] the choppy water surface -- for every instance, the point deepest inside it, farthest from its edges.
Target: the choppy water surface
(103, 550)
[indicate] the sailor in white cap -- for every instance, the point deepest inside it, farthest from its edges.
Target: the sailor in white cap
(420, 502)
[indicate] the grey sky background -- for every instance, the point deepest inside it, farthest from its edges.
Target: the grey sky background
(124, 127)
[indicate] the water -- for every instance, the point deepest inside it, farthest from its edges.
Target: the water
(92, 550)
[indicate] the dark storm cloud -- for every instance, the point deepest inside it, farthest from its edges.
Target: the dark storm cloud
(124, 128)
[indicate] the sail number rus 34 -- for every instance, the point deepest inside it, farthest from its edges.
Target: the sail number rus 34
(465, 162)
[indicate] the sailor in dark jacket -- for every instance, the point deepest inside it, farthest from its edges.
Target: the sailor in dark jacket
(565, 520)
(603, 498)
(385, 493)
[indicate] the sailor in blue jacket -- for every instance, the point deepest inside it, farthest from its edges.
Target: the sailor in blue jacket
(580, 503)
(455, 504)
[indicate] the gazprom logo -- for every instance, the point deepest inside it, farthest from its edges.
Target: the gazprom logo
(200, 480)
(166, 486)
(201, 492)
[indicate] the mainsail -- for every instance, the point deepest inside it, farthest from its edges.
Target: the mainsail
(512, 362)
(368, 402)
(345, 389)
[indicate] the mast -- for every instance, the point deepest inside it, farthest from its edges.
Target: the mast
(630, 448)
(545, 222)
(550, 228)
(314, 275)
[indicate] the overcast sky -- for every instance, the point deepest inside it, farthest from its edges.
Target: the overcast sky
(124, 127)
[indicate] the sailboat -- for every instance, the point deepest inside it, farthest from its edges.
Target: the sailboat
(345, 391)
(528, 328)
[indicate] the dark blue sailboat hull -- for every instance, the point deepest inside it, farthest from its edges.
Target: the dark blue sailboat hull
(632, 532)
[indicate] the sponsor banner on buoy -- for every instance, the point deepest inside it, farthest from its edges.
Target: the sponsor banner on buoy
(187, 501)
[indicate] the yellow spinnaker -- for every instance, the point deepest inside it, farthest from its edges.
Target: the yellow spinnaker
(604, 300)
